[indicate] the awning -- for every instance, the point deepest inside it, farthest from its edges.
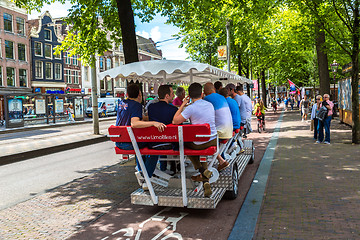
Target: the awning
(171, 71)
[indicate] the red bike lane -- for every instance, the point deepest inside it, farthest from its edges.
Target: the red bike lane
(127, 221)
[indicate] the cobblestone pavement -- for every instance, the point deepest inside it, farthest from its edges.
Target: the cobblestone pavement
(63, 210)
(313, 189)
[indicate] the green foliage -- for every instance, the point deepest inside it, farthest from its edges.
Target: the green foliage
(94, 25)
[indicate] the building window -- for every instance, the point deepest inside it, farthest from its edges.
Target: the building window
(102, 84)
(67, 76)
(108, 63)
(20, 26)
(109, 85)
(7, 22)
(10, 76)
(48, 70)
(101, 63)
(23, 77)
(9, 49)
(57, 71)
(75, 60)
(76, 77)
(48, 51)
(67, 58)
(86, 74)
(1, 77)
(38, 69)
(38, 49)
(47, 34)
(21, 52)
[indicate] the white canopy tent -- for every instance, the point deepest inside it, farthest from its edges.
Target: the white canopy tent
(171, 71)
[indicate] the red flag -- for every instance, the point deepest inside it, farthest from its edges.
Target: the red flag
(291, 83)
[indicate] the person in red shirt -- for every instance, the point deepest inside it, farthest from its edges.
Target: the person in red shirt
(180, 95)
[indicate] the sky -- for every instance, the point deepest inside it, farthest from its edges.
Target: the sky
(156, 29)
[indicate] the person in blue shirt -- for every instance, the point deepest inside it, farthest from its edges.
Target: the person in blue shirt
(163, 112)
(223, 118)
(234, 108)
(130, 114)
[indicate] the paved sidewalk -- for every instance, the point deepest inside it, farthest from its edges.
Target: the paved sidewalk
(313, 189)
(23, 143)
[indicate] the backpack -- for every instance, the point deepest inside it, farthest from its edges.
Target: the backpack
(322, 113)
(258, 112)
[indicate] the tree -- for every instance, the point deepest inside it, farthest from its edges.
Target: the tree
(347, 36)
(95, 24)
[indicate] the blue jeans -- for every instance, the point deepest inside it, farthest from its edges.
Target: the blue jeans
(316, 123)
(321, 125)
(150, 161)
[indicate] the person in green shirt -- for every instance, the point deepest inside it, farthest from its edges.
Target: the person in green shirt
(259, 110)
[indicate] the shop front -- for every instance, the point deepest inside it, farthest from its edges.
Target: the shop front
(26, 109)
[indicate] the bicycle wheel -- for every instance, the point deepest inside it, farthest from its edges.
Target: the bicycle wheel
(259, 126)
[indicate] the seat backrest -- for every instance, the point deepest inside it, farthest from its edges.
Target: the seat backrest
(170, 134)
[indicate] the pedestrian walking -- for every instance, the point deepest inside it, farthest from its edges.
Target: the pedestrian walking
(70, 110)
(325, 124)
(304, 105)
(314, 120)
(292, 102)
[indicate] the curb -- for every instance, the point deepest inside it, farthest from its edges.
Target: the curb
(245, 224)
(51, 125)
(54, 149)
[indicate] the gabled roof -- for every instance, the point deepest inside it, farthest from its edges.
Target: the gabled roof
(147, 45)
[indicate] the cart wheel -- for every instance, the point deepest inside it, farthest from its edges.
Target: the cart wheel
(232, 194)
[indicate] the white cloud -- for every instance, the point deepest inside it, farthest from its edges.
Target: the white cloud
(143, 34)
(155, 34)
(56, 10)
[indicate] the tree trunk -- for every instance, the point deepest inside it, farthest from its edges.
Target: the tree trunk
(355, 78)
(259, 85)
(263, 87)
(322, 60)
(126, 17)
(239, 65)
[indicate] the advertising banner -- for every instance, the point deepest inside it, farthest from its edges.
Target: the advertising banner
(40, 106)
(15, 107)
(79, 108)
(59, 105)
(222, 52)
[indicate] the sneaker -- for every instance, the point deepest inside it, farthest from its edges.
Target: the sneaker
(317, 142)
(197, 178)
(326, 142)
(169, 172)
(207, 189)
(242, 150)
(223, 166)
(144, 187)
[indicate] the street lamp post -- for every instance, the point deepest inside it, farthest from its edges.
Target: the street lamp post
(334, 67)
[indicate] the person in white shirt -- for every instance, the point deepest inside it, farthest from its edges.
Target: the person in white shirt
(199, 112)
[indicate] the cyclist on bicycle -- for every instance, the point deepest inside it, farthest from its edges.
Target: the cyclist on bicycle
(259, 111)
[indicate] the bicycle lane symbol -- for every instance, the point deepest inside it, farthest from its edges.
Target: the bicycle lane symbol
(128, 233)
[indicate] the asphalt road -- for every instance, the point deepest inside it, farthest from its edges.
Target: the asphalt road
(23, 180)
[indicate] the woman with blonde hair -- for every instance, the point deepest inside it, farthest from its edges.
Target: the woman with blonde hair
(314, 120)
(259, 111)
